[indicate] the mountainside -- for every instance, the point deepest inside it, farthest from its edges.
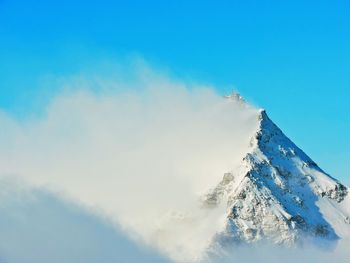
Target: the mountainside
(279, 194)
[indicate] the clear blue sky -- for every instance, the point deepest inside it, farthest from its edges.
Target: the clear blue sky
(290, 57)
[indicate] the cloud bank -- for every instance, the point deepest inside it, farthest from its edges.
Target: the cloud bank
(39, 227)
(117, 159)
(139, 153)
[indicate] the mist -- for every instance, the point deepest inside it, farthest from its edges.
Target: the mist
(139, 153)
(270, 253)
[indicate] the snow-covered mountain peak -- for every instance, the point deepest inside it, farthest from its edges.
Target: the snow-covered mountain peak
(279, 194)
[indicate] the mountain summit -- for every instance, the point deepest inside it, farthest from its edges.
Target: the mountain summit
(279, 194)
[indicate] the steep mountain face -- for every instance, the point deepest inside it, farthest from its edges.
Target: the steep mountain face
(279, 194)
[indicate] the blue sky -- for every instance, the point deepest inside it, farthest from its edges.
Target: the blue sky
(290, 57)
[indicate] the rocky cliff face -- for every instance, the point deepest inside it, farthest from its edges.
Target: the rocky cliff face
(279, 194)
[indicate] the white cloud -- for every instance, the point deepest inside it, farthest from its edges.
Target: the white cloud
(138, 152)
(38, 227)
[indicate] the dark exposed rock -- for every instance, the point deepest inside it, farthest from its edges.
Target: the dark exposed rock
(347, 220)
(298, 221)
(338, 193)
(321, 230)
